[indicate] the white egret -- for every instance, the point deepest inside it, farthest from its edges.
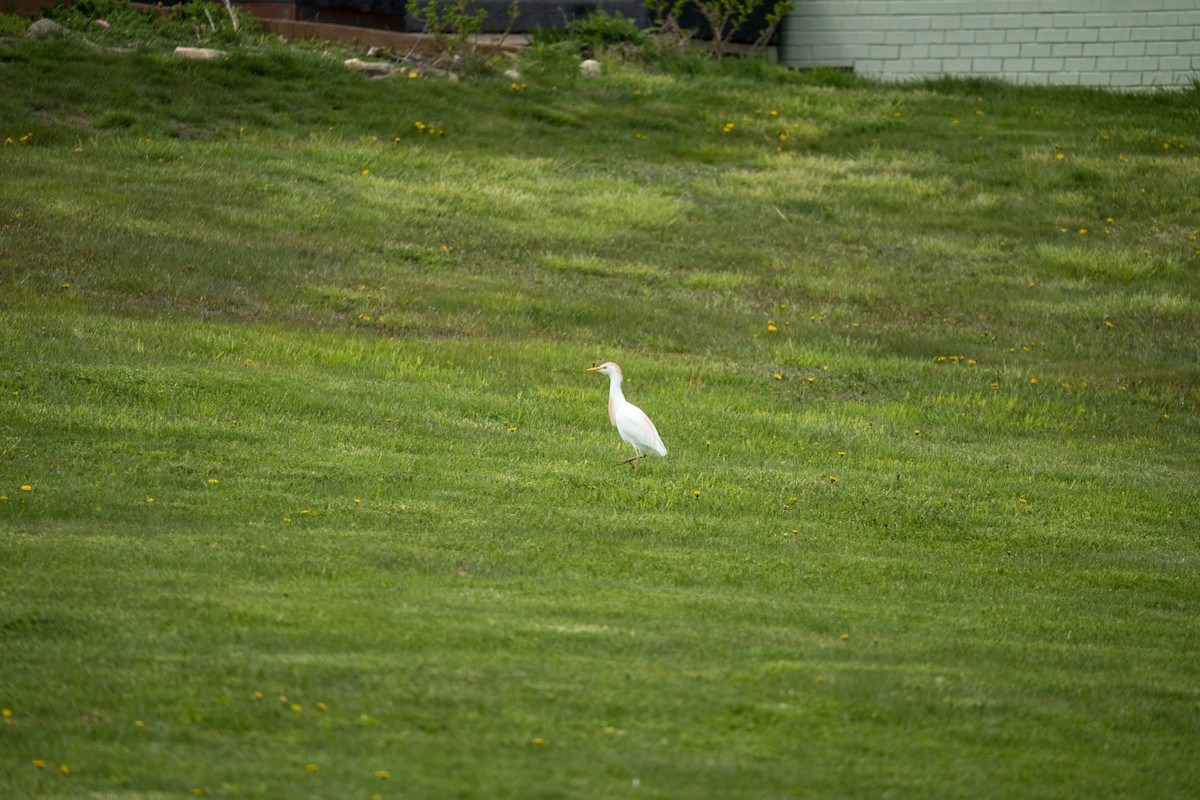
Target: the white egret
(630, 421)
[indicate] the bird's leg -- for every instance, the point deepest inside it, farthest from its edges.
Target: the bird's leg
(636, 458)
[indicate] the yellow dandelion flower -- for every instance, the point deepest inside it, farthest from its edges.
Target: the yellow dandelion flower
(778, 377)
(382, 774)
(537, 740)
(64, 769)
(25, 487)
(39, 763)
(995, 386)
(322, 707)
(695, 493)
(833, 479)
(149, 499)
(297, 708)
(1022, 500)
(313, 768)
(412, 74)
(212, 481)
(1033, 381)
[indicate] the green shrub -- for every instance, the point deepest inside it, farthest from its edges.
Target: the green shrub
(602, 31)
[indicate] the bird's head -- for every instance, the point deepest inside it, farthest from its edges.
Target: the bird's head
(607, 368)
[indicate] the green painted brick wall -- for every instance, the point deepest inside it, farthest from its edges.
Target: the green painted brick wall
(1123, 44)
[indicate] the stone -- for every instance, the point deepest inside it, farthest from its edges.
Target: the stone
(200, 53)
(45, 27)
(370, 67)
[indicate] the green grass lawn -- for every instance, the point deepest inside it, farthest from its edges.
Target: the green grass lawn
(305, 492)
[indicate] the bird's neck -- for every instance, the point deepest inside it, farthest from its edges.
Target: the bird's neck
(615, 397)
(614, 388)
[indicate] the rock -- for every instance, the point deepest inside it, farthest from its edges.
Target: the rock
(590, 67)
(370, 67)
(512, 74)
(45, 27)
(200, 53)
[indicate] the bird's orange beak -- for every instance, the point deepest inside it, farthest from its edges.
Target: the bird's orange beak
(592, 369)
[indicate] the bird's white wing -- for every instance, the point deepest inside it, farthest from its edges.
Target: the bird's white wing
(636, 428)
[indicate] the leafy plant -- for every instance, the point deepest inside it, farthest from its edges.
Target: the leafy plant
(453, 25)
(600, 30)
(668, 34)
(725, 17)
(120, 23)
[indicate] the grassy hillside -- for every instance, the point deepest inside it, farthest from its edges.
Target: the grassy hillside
(304, 491)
